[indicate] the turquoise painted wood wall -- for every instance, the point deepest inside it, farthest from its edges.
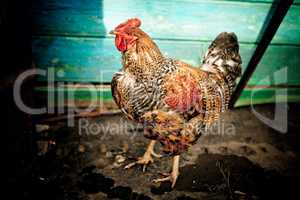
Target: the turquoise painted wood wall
(72, 35)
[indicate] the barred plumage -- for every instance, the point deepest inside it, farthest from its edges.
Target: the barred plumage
(150, 83)
(175, 102)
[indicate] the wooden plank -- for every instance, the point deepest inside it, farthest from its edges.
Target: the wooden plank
(276, 58)
(259, 1)
(179, 19)
(268, 95)
(267, 35)
(96, 59)
(77, 59)
(289, 30)
(254, 1)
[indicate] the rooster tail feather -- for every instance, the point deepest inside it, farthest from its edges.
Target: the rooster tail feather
(223, 56)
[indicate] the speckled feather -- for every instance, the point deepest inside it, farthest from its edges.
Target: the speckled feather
(175, 101)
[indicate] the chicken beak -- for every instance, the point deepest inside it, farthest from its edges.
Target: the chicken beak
(113, 32)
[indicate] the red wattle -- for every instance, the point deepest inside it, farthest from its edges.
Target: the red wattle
(120, 43)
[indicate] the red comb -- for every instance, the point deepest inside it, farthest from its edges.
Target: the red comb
(134, 22)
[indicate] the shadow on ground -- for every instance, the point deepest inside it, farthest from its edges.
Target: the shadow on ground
(254, 163)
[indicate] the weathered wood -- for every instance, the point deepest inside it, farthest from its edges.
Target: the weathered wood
(72, 36)
(275, 58)
(267, 34)
(96, 59)
(184, 19)
(251, 96)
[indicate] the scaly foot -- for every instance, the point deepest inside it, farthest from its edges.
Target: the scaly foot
(174, 174)
(146, 159)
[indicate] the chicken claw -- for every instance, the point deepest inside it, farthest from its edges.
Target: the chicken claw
(174, 174)
(146, 159)
(155, 154)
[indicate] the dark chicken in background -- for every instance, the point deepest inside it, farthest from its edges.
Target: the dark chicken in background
(175, 101)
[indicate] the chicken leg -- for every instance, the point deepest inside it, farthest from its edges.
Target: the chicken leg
(146, 159)
(172, 177)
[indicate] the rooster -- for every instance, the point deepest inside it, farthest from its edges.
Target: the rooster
(175, 101)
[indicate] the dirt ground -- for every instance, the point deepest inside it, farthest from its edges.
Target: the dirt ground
(239, 158)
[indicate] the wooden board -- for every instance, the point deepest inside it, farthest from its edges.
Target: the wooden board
(96, 59)
(72, 37)
(179, 19)
(268, 95)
